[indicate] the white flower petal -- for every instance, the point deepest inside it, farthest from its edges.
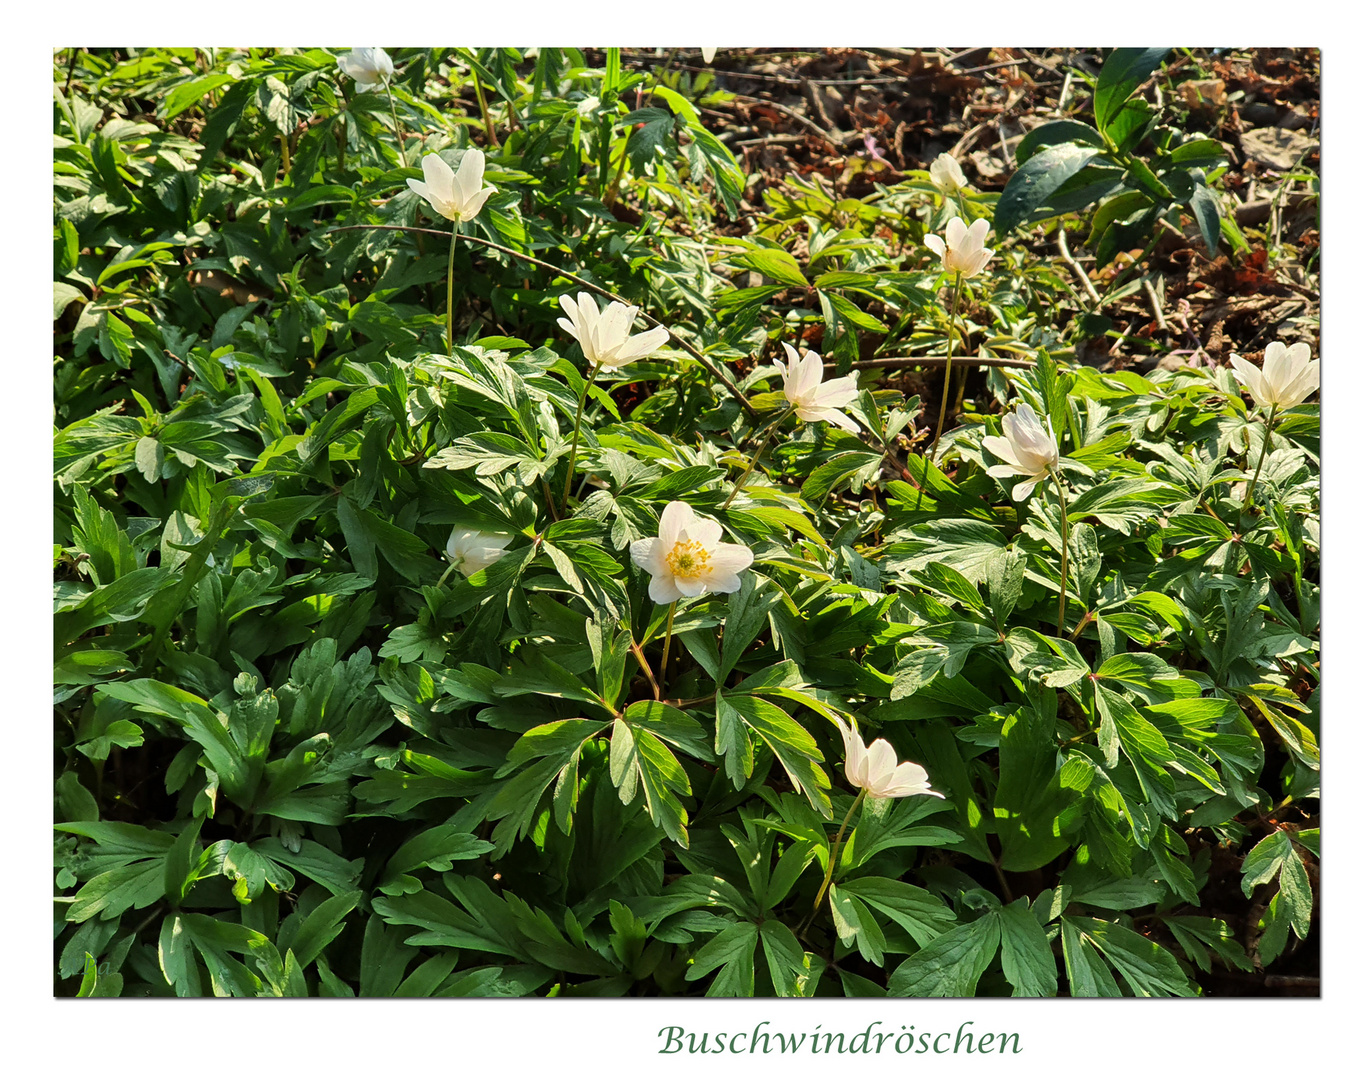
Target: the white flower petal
(663, 589)
(705, 531)
(1024, 490)
(730, 558)
(676, 518)
(690, 586)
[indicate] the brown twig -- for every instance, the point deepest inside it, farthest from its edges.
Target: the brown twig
(591, 286)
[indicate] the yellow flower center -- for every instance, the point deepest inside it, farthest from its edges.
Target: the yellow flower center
(688, 559)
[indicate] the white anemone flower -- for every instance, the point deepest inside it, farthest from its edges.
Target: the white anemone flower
(457, 196)
(685, 558)
(1030, 449)
(877, 771)
(370, 67)
(1287, 376)
(946, 175)
(964, 252)
(471, 550)
(814, 399)
(708, 54)
(604, 335)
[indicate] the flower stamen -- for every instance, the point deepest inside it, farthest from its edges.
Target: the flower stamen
(688, 559)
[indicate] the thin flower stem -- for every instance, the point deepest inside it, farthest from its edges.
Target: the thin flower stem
(647, 669)
(612, 193)
(1061, 600)
(449, 570)
(947, 369)
(395, 120)
(576, 434)
(1261, 459)
(451, 257)
(766, 438)
(666, 649)
(481, 104)
(589, 286)
(833, 858)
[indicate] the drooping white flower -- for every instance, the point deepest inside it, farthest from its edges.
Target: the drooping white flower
(708, 54)
(370, 67)
(457, 196)
(814, 399)
(877, 771)
(1030, 449)
(471, 550)
(685, 558)
(1287, 376)
(604, 335)
(946, 175)
(964, 252)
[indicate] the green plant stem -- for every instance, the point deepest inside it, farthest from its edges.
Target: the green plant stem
(576, 434)
(766, 438)
(1127, 271)
(647, 669)
(1261, 459)
(481, 104)
(451, 257)
(451, 567)
(395, 121)
(1061, 600)
(947, 368)
(612, 193)
(666, 648)
(833, 858)
(285, 159)
(589, 286)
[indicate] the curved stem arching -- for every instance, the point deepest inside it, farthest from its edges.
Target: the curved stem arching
(451, 256)
(576, 433)
(947, 372)
(395, 120)
(1261, 459)
(751, 465)
(833, 858)
(1061, 599)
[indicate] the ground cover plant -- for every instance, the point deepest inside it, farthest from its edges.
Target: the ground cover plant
(625, 522)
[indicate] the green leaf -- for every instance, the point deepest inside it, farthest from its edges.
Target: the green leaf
(1025, 953)
(775, 263)
(312, 934)
(1123, 72)
(1035, 181)
(634, 753)
(1205, 205)
(793, 746)
(1149, 969)
(951, 964)
(732, 951)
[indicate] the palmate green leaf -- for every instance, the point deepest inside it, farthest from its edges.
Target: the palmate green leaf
(311, 935)
(636, 753)
(951, 964)
(853, 921)
(922, 915)
(193, 714)
(793, 746)
(436, 848)
(733, 951)
(555, 749)
(1147, 968)
(1025, 953)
